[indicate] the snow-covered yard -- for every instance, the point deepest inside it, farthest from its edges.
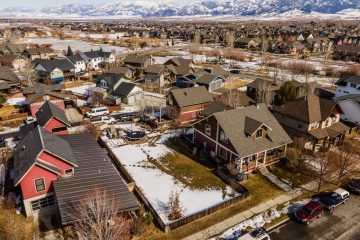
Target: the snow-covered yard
(144, 164)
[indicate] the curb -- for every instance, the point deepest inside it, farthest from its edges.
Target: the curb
(272, 228)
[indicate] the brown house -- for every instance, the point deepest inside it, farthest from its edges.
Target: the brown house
(185, 104)
(248, 137)
(312, 122)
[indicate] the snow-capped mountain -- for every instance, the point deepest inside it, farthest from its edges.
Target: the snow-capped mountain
(212, 8)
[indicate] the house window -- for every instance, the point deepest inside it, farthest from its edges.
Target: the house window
(259, 133)
(59, 129)
(223, 152)
(208, 129)
(69, 171)
(223, 137)
(39, 184)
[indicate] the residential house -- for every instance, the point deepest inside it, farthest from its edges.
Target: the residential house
(54, 71)
(312, 122)
(139, 61)
(263, 90)
(128, 93)
(16, 62)
(185, 105)
(210, 81)
(128, 72)
(347, 84)
(347, 53)
(214, 107)
(350, 107)
(46, 166)
(53, 119)
(37, 53)
(180, 62)
(79, 63)
(96, 59)
(248, 137)
(158, 75)
(12, 48)
(8, 80)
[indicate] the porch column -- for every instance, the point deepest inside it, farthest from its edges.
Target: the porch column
(265, 157)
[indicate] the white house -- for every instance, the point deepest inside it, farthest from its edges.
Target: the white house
(129, 93)
(349, 84)
(350, 106)
(78, 62)
(94, 59)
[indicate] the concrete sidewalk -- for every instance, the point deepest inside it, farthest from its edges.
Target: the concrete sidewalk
(241, 217)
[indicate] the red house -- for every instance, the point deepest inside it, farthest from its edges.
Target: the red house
(40, 158)
(185, 104)
(52, 118)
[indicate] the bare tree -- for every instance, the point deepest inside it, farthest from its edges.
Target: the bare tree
(263, 95)
(347, 160)
(31, 75)
(323, 167)
(175, 208)
(97, 217)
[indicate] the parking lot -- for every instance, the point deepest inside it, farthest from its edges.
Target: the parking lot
(342, 224)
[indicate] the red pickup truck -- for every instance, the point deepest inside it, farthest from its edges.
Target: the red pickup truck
(309, 212)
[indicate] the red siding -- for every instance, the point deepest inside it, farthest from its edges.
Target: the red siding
(62, 165)
(200, 139)
(28, 185)
(54, 123)
(34, 107)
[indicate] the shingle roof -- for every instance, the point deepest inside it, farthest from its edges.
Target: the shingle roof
(94, 170)
(236, 123)
(48, 111)
(6, 74)
(32, 145)
(118, 70)
(97, 54)
(179, 61)
(135, 58)
(110, 78)
(349, 79)
(191, 96)
(124, 89)
(40, 87)
(37, 95)
(155, 68)
(50, 65)
(260, 83)
(75, 58)
(309, 109)
(215, 107)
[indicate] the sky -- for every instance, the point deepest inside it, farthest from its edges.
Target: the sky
(46, 3)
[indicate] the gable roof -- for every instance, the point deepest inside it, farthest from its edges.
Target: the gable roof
(124, 89)
(309, 109)
(97, 54)
(191, 96)
(155, 69)
(10, 58)
(135, 58)
(110, 78)
(39, 94)
(50, 65)
(260, 83)
(36, 141)
(206, 78)
(178, 61)
(348, 79)
(215, 107)
(238, 123)
(48, 111)
(119, 69)
(6, 74)
(40, 87)
(75, 58)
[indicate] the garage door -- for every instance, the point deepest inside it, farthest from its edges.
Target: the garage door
(43, 203)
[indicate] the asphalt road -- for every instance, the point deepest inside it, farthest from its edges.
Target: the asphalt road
(342, 224)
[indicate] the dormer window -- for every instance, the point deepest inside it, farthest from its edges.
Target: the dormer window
(69, 171)
(259, 133)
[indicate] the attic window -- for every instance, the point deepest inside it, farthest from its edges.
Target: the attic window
(223, 137)
(259, 133)
(69, 171)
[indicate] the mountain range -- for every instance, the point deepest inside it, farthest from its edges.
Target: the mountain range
(147, 9)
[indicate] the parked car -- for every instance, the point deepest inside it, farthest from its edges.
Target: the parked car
(256, 234)
(96, 112)
(330, 200)
(354, 186)
(309, 212)
(105, 119)
(29, 119)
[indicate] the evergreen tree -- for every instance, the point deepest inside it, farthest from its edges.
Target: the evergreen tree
(288, 92)
(70, 51)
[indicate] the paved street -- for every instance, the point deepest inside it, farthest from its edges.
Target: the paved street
(342, 224)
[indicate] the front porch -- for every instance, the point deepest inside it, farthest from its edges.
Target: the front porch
(250, 163)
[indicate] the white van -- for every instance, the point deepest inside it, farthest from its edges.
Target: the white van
(99, 111)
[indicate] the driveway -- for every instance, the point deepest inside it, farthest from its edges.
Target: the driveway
(342, 224)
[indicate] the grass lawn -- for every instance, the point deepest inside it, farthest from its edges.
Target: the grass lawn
(7, 110)
(188, 172)
(284, 172)
(260, 191)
